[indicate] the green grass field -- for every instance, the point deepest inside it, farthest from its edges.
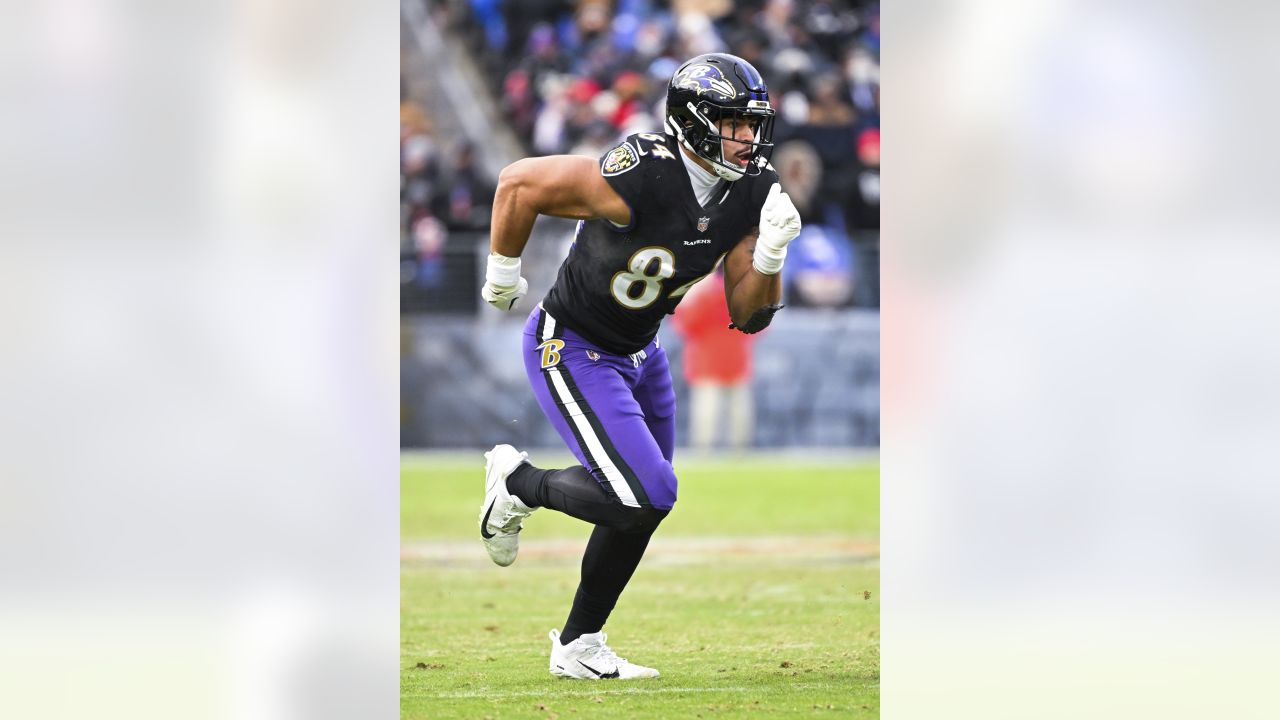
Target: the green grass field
(758, 597)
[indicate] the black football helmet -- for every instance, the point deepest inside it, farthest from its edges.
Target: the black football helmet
(714, 87)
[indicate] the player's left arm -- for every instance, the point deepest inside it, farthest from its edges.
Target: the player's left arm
(752, 277)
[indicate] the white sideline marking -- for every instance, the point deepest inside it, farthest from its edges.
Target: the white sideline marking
(553, 694)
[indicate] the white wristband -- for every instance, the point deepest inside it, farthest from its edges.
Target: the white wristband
(502, 271)
(768, 261)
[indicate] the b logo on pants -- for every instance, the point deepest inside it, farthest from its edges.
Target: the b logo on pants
(551, 353)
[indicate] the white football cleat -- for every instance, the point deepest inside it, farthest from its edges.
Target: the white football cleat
(501, 512)
(589, 658)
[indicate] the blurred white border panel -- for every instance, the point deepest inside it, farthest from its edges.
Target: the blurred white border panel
(198, 473)
(1081, 342)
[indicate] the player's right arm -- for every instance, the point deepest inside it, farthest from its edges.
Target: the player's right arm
(568, 186)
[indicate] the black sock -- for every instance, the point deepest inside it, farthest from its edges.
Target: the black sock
(528, 483)
(574, 492)
(607, 566)
(618, 542)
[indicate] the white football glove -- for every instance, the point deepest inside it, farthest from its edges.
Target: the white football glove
(503, 286)
(779, 225)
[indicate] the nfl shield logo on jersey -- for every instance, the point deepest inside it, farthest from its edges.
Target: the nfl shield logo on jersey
(703, 222)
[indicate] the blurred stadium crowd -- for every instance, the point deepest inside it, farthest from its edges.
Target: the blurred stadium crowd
(575, 76)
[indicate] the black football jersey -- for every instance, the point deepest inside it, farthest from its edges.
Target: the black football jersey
(617, 283)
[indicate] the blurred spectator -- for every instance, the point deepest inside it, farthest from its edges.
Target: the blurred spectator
(717, 366)
(465, 196)
(413, 120)
(521, 18)
(863, 73)
(428, 242)
(821, 268)
(598, 137)
(448, 186)
(417, 166)
(697, 35)
(828, 106)
(629, 88)
(777, 21)
(863, 208)
(800, 170)
(519, 102)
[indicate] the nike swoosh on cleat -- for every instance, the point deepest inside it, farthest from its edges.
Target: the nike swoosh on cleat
(599, 674)
(484, 524)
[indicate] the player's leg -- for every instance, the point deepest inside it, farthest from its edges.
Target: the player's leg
(704, 402)
(588, 400)
(612, 553)
(626, 488)
(574, 491)
(579, 651)
(587, 395)
(640, 412)
(741, 416)
(657, 398)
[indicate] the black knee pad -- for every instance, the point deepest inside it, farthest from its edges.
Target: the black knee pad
(643, 520)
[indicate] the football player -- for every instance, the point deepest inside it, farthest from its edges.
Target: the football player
(656, 214)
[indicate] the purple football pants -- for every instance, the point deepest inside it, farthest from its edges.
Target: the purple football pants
(615, 412)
